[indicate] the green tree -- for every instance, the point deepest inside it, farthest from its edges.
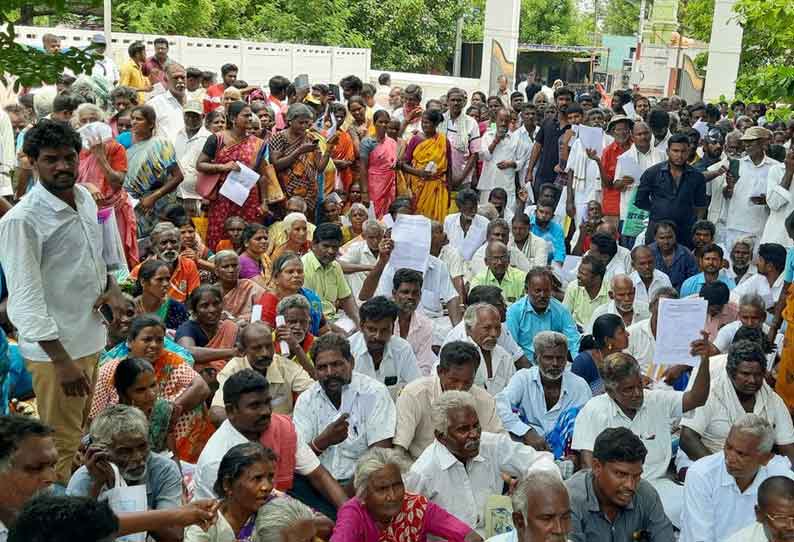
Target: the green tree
(695, 18)
(622, 17)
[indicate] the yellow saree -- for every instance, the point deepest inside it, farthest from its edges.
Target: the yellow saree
(431, 195)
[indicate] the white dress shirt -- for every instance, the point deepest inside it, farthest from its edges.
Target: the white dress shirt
(170, 117)
(758, 284)
(746, 216)
(535, 249)
(463, 490)
(505, 340)
(107, 70)
(224, 439)
(641, 312)
(652, 423)
(437, 286)
(642, 345)
(780, 202)
(453, 259)
(456, 235)
(397, 368)
(751, 533)
(510, 148)
(525, 394)
(52, 258)
(714, 508)
(719, 205)
(645, 160)
(502, 369)
(373, 417)
(8, 155)
(187, 151)
(641, 293)
(357, 252)
(726, 333)
(528, 140)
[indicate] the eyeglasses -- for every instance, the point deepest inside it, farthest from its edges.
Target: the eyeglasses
(781, 521)
(496, 259)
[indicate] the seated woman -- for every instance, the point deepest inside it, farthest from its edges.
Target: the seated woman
(289, 520)
(295, 332)
(239, 294)
(154, 280)
(288, 280)
(244, 484)
(192, 247)
(609, 336)
(382, 511)
(296, 226)
(177, 382)
(136, 386)
(254, 262)
(209, 338)
(358, 215)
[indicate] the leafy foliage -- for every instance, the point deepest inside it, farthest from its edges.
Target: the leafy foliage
(622, 17)
(695, 17)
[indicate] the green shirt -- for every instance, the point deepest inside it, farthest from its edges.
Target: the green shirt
(512, 283)
(329, 282)
(579, 303)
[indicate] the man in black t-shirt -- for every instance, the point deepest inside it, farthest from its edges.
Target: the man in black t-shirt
(546, 151)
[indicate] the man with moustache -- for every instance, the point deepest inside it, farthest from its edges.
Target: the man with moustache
(774, 513)
(546, 147)
(344, 413)
(412, 324)
(169, 105)
(184, 273)
(250, 418)
(287, 379)
(463, 466)
(612, 501)
(720, 490)
(540, 404)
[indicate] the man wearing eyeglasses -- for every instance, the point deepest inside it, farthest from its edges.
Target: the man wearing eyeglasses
(500, 273)
(774, 513)
(721, 489)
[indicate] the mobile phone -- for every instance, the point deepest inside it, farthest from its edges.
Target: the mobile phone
(733, 168)
(106, 313)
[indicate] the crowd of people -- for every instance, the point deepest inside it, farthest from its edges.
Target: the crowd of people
(205, 338)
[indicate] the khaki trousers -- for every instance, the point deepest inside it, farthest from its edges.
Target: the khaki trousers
(66, 415)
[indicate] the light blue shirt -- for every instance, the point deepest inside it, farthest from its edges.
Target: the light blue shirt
(554, 235)
(524, 323)
(788, 271)
(692, 285)
(524, 394)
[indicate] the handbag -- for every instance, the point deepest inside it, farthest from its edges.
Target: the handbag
(273, 191)
(207, 183)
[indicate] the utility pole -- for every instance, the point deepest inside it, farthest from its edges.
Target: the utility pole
(458, 47)
(107, 20)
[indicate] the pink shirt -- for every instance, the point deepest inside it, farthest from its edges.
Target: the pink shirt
(420, 337)
(355, 524)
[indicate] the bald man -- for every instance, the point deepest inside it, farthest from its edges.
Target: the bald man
(623, 302)
(500, 273)
(774, 513)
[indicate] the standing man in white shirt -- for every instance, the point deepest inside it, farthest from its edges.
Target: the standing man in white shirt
(188, 146)
(105, 68)
(344, 413)
(503, 154)
(720, 490)
(378, 352)
(169, 106)
(51, 253)
(464, 465)
(748, 209)
(463, 134)
(780, 200)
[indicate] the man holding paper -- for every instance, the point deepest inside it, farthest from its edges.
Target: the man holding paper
(620, 126)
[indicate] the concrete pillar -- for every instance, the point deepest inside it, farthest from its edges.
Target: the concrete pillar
(500, 43)
(725, 49)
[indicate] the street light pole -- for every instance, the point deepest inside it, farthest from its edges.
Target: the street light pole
(107, 20)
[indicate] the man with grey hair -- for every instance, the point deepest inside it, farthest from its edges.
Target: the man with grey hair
(648, 413)
(184, 272)
(498, 230)
(483, 323)
(120, 437)
(359, 256)
(721, 489)
(541, 510)
(286, 378)
(623, 302)
(741, 259)
(752, 313)
(540, 404)
(464, 465)
(168, 105)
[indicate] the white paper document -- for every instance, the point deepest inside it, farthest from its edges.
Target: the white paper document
(93, 131)
(256, 313)
(411, 236)
(238, 184)
(679, 323)
(474, 239)
(628, 167)
(701, 127)
(592, 138)
(630, 111)
(569, 267)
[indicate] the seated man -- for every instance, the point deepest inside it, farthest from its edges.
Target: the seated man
(623, 302)
(532, 246)
(540, 404)
(711, 264)
(344, 413)
(499, 272)
(646, 278)
(412, 324)
(604, 248)
(672, 258)
(359, 255)
(773, 513)
(719, 310)
(720, 490)
(738, 389)
(463, 466)
(613, 501)
(541, 510)
(286, 378)
(642, 337)
(588, 291)
(483, 326)
(648, 413)
(323, 274)
(120, 435)
(250, 418)
(752, 313)
(768, 282)
(455, 371)
(542, 226)
(539, 311)
(466, 227)
(492, 295)
(498, 230)
(184, 273)
(622, 257)
(441, 249)
(52, 518)
(378, 353)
